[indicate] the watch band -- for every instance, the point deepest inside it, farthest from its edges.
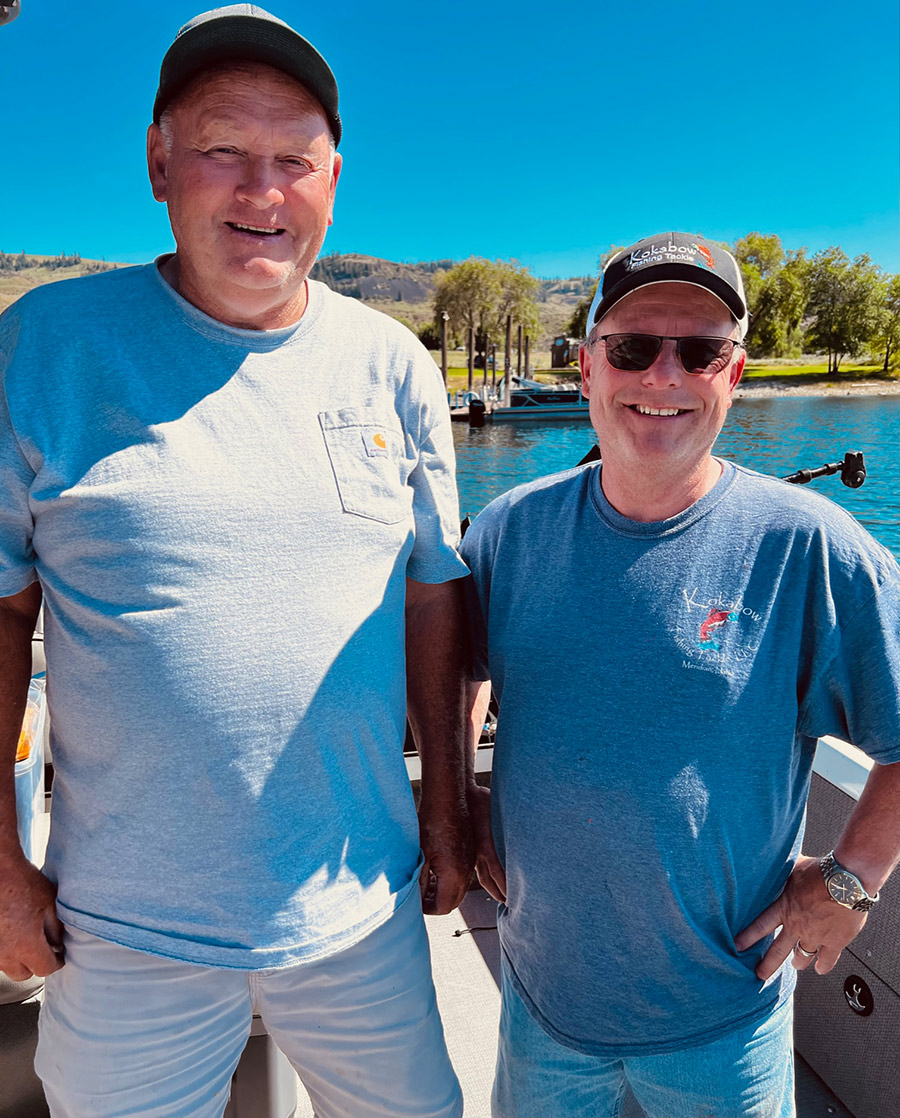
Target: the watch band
(830, 867)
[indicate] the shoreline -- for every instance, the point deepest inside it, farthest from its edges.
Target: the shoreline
(782, 386)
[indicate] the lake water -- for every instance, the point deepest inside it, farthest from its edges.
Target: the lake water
(775, 436)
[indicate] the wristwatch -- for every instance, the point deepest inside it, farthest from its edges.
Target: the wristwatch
(844, 886)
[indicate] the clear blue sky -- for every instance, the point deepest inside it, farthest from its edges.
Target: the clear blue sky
(539, 131)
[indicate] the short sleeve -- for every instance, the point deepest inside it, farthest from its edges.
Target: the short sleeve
(434, 556)
(856, 696)
(16, 478)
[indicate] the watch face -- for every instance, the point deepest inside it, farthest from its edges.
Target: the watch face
(845, 888)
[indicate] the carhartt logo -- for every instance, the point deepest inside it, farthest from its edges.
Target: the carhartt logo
(375, 442)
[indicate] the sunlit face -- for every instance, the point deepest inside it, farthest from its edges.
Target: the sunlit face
(625, 406)
(249, 182)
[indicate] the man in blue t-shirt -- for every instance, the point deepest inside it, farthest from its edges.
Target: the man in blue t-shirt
(668, 635)
(233, 490)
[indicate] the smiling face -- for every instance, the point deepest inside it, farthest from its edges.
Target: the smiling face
(248, 173)
(656, 428)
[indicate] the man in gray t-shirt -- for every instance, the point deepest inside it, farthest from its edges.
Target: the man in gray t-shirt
(668, 635)
(233, 491)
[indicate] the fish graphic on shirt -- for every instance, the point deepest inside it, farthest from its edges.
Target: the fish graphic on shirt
(709, 629)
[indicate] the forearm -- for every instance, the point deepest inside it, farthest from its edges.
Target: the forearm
(870, 843)
(478, 697)
(18, 615)
(435, 647)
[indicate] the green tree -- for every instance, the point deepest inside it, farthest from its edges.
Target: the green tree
(429, 336)
(577, 325)
(776, 284)
(518, 297)
(467, 293)
(481, 293)
(885, 344)
(777, 316)
(844, 300)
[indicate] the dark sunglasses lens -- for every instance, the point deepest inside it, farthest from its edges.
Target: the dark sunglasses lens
(704, 355)
(632, 352)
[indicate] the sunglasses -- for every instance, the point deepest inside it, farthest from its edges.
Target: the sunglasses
(634, 353)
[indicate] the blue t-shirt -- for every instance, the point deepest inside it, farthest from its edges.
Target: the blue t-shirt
(222, 522)
(662, 687)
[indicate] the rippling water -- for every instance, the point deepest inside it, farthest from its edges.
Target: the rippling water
(775, 436)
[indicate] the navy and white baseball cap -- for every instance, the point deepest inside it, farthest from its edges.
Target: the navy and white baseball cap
(671, 258)
(245, 32)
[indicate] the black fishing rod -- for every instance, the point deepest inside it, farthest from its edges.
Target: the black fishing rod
(852, 469)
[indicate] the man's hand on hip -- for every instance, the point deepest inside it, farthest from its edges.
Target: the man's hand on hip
(31, 935)
(487, 865)
(807, 916)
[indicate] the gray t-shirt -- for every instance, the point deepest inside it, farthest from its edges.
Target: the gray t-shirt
(662, 687)
(222, 522)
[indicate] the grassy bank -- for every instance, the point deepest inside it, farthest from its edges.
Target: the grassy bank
(818, 370)
(755, 373)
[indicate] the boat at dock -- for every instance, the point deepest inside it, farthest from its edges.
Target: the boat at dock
(528, 400)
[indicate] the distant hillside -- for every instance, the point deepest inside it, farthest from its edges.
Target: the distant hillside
(373, 279)
(401, 290)
(19, 273)
(405, 290)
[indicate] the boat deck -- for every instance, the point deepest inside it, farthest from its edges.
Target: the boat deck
(466, 958)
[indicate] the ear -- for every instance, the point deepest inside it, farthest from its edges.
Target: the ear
(584, 361)
(157, 162)
(335, 175)
(734, 375)
(737, 370)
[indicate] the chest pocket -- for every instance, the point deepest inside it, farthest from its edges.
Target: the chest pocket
(367, 452)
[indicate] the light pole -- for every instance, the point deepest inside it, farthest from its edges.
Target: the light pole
(445, 318)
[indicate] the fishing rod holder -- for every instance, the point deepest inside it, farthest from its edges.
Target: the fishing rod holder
(852, 471)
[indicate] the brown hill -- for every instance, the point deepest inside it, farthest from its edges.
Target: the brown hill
(20, 273)
(402, 290)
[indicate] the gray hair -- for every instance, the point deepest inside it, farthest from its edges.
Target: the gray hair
(166, 118)
(165, 127)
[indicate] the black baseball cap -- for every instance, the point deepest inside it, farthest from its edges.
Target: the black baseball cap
(671, 258)
(245, 32)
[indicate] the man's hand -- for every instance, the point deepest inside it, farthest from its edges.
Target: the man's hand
(445, 838)
(30, 931)
(487, 865)
(807, 915)
(435, 642)
(31, 935)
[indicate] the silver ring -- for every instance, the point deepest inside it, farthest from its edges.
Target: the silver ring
(806, 954)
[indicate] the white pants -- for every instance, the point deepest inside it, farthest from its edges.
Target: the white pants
(126, 1033)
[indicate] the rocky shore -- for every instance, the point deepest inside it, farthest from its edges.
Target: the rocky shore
(787, 386)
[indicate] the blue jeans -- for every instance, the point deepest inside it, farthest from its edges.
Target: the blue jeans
(748, 1073)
